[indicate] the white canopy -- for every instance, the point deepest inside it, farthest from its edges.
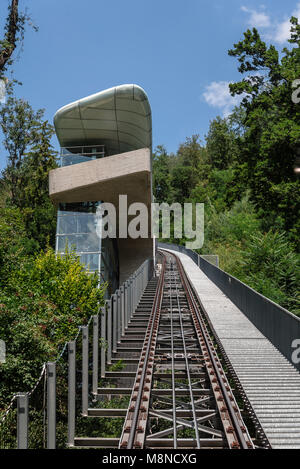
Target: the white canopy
(119, 118)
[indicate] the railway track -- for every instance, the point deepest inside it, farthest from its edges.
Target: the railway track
(179, 394)
(195, 407)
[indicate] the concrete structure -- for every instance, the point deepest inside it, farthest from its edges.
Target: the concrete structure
(106, 142)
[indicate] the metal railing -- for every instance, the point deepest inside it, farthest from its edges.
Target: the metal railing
(211, 258)
(48, 415)
(277, 324)
(80, 154)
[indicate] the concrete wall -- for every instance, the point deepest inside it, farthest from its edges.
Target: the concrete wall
(105, 179)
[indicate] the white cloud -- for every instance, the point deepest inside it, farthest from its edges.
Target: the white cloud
(276, 31)
(282, 30)
(217, 95)
(257, 19)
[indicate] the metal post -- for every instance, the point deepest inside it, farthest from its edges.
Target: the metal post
(71, 391)
(143, 277)
(22, 421)
(85, 370)
(109, 331)
(118, 315)
(134, 292)
(95, 353)
(130, 297)
(114, 308)
(139, 285)
(122, 311)
(51, 405)
(103, 337)
(137, 288)
(126, 304)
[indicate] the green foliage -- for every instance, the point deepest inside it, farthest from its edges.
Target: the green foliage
(272, 131)
(14, 243)
(245, 173)
(221, 144)
(236, 224)
(30, 158)
(265, 261)
(161, 175)
(44, 300)
(272, 267)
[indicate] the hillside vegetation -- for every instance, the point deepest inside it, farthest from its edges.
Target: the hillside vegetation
(244, 173)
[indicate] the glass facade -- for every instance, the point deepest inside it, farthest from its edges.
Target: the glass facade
(77, 230)
(80, 154)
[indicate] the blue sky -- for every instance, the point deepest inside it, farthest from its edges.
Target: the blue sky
(176, 50)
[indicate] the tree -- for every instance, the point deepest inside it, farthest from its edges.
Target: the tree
(161, 175)
(20, 125)
(272, 129)
(30, 158)
(39, 212)
(221, 144)
(186, 169)
(13, 34)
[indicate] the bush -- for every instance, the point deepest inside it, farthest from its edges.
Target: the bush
(44, 301)
(231, 226)
(271, 266)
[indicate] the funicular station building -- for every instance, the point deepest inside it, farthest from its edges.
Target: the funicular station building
(105, 141)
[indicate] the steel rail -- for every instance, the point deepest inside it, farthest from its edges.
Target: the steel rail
(187, 366)
(135, 400)
(232, 413)
(173, 371)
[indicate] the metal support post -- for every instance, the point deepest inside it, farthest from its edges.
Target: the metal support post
(95, 353)
(71, 391)
(109, 330)
(51, 405)
(103, 337)
(130, 297)
(118, 315)
(126, 303)
(22, 421)
(122, 312)
(85, 370)
(135, 291)
(114, 328)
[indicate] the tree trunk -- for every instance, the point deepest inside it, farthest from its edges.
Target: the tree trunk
(12, 24)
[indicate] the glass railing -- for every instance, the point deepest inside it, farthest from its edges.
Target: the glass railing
(80, 154)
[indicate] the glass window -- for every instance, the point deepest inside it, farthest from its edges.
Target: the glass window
(67, 224)
(76, 228)
(86, 223)
(79, 154)
(91, 261)
(66, 242)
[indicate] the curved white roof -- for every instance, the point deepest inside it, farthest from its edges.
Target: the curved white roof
(119, 118)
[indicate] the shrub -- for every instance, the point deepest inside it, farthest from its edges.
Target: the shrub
(42, 305)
